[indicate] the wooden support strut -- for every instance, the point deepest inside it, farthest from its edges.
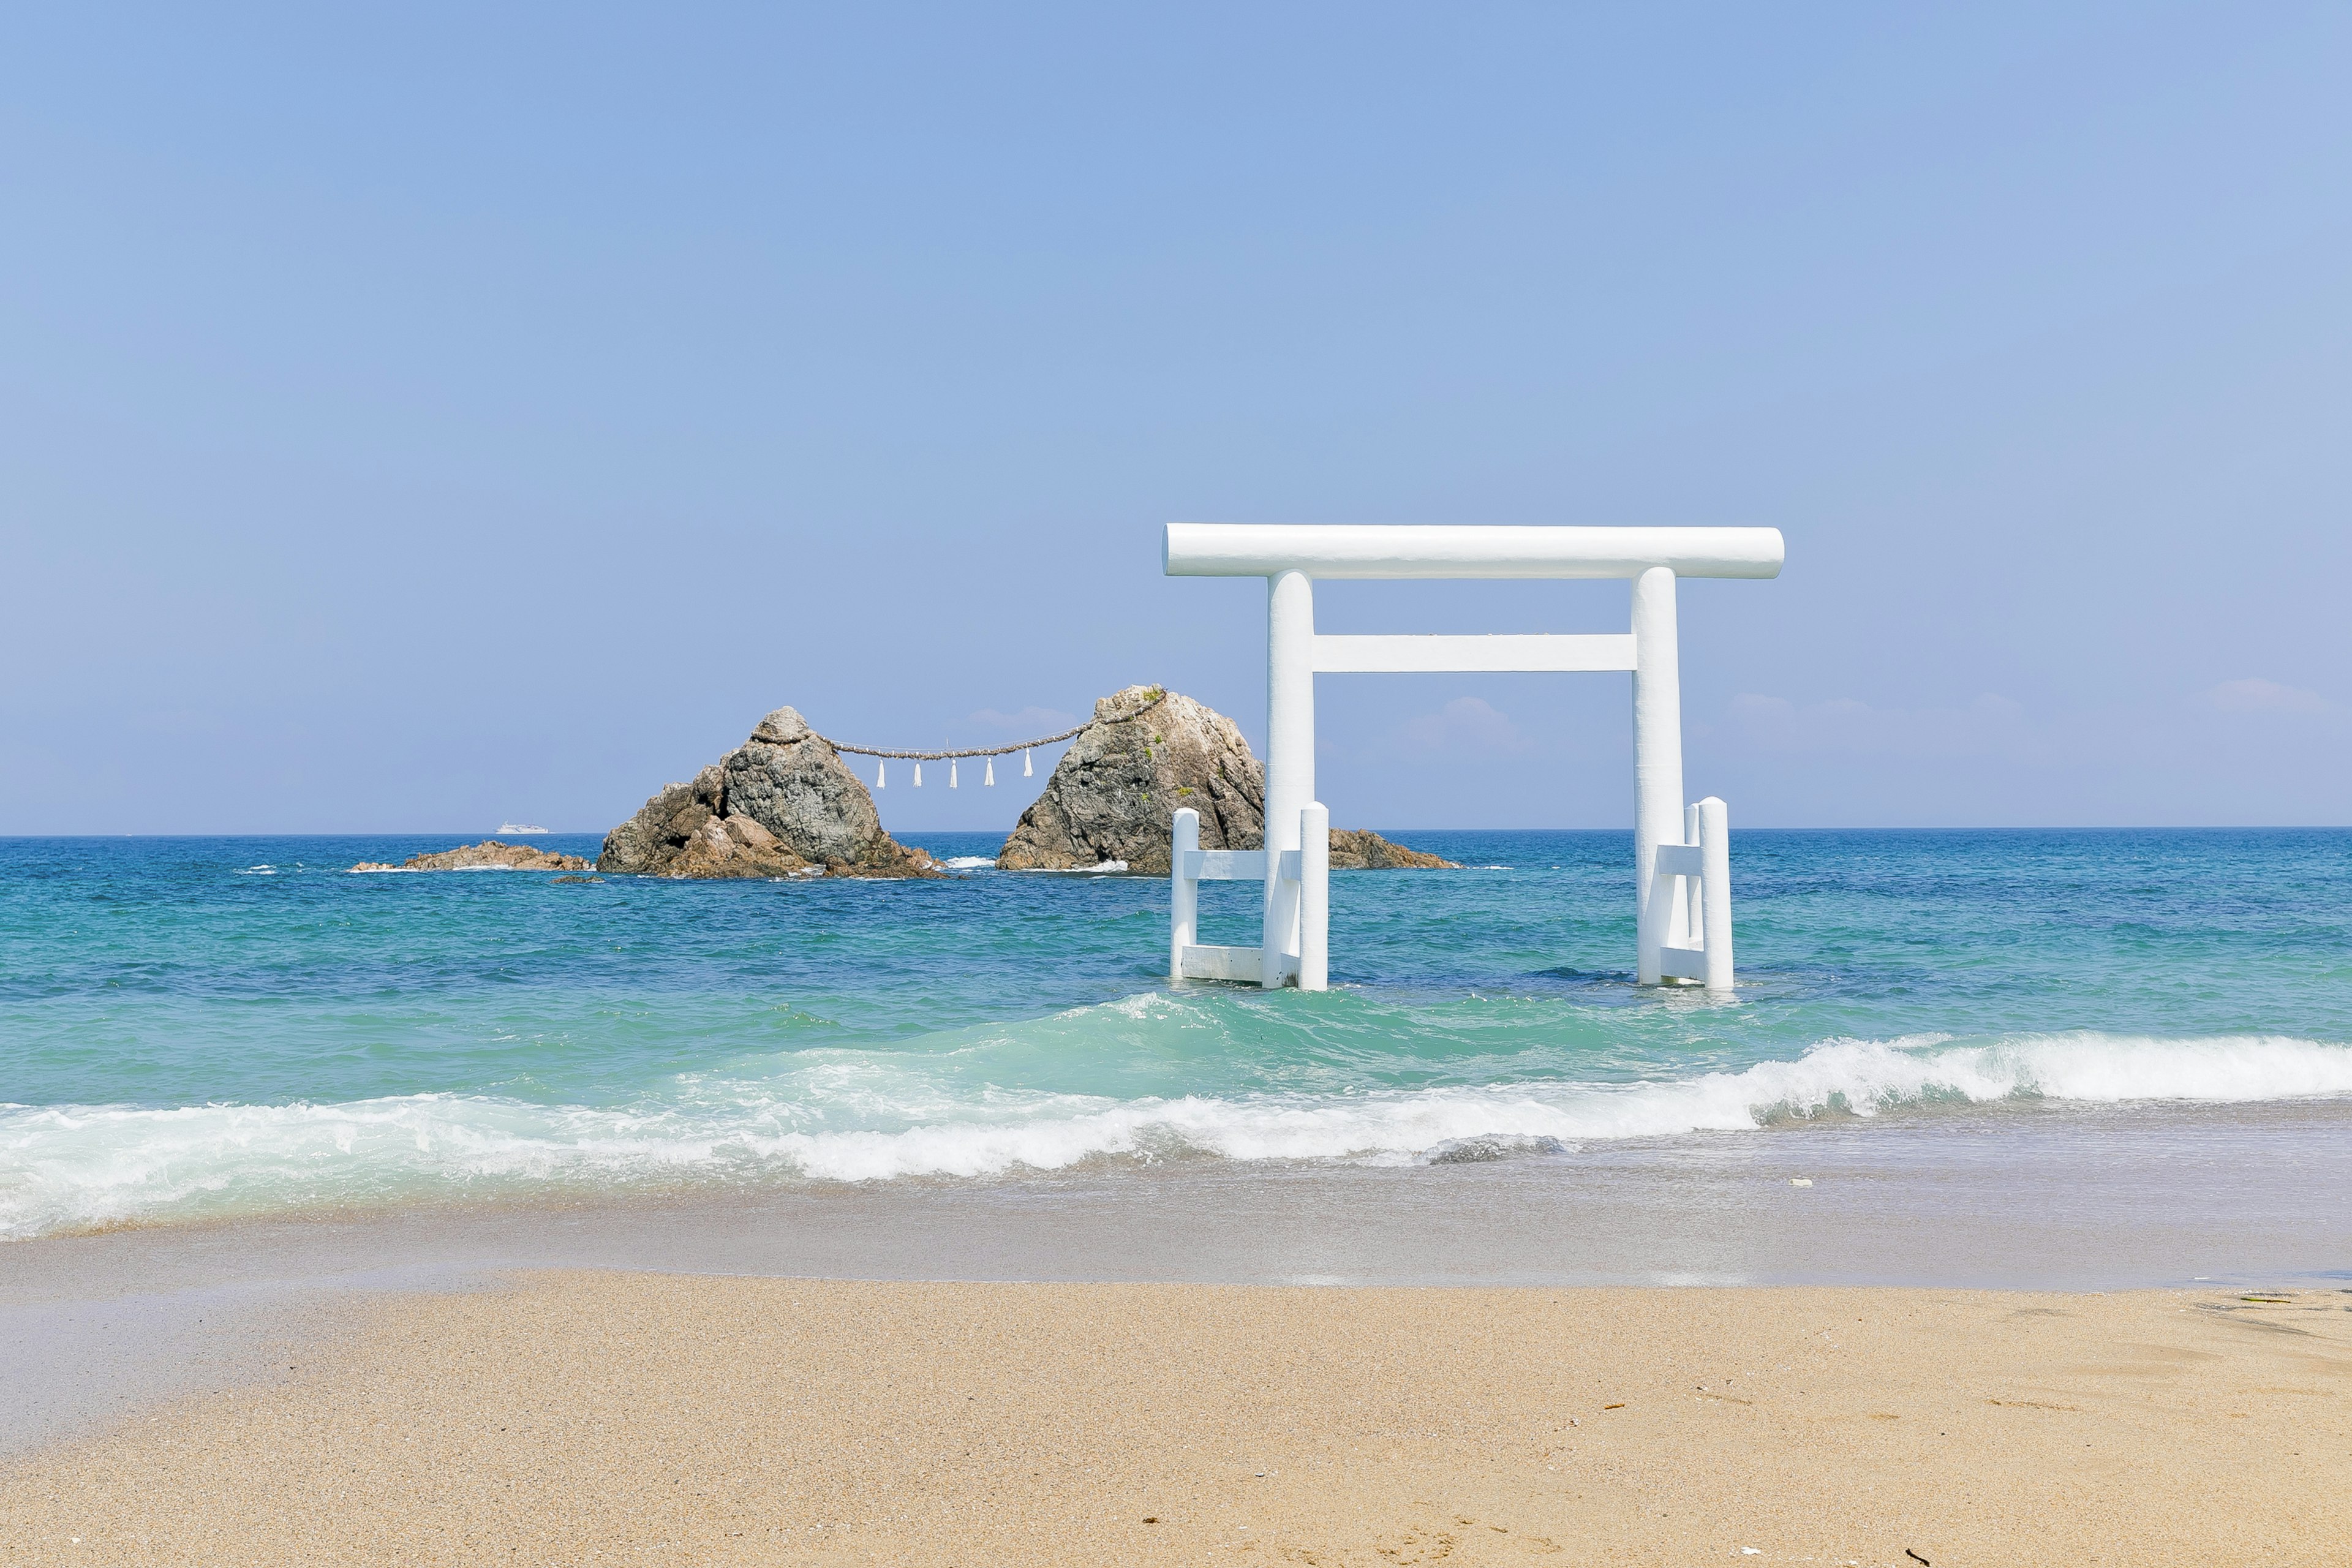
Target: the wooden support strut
(1189, 866)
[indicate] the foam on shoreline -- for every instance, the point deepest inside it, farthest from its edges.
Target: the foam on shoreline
(836, 1116)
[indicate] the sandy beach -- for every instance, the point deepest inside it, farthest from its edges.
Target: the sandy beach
(581, 1416)
(1302, 787)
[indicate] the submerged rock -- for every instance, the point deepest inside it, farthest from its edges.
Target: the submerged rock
(1148, 753)
(488, 855)
(784, 803)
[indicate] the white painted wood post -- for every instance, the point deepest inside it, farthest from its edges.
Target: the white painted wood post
(1690, 920)
(1314, 898)
(1289, 754)
(1183, 893)
(1714, 861)
(1657, 758)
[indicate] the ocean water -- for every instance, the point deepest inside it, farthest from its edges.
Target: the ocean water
(199, 1027)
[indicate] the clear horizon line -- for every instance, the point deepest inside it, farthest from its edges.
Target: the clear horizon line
(1758, 827)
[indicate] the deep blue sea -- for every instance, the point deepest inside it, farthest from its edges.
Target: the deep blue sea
(191, 1027)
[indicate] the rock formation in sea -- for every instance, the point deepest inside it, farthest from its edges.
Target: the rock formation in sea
(1116, 791)
(1361, 849)
(487, 855)
(784, 803)
(1148, 753)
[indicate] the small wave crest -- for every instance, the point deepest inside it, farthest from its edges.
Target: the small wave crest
(1865, 1076)
(838, 1116)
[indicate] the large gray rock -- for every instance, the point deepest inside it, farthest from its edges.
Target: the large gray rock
(782, 804)
(1147, 755)
(1115, 794)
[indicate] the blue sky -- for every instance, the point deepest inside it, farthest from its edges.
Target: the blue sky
(412, 421)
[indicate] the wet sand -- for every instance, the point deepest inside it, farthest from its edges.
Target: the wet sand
(1031, 1369)
(576, 1415)
(2028, 1195)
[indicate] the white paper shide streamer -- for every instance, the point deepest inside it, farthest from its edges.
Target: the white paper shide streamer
(988, 754)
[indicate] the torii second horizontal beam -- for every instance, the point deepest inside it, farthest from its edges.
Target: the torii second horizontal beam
(1503, 651)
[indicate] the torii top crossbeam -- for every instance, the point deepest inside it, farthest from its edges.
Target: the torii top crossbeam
(1290, 556)
(1408, 551)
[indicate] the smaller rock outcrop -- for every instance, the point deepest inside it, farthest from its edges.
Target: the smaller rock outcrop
(1361, 849)
(487, 856)
(784, 803)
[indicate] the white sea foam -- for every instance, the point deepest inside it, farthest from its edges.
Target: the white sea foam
(969, 862)
(436, 870)
(845, 1116)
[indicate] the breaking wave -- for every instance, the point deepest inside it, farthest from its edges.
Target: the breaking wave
(856, 1116)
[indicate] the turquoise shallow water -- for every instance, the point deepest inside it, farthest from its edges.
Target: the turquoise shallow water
(190, 1027)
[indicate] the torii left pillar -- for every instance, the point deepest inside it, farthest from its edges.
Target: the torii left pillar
(1289, 758)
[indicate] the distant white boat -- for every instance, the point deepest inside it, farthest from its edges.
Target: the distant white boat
(519, 828)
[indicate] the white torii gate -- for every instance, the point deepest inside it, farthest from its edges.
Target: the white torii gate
(1681, 854)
